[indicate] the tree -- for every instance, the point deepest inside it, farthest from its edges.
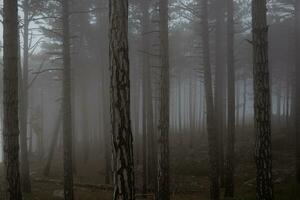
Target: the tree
(297, 90)
(211, 130)
(220, 82)
(262, 106)
(25, 177)
(10, 96)
(163, 155)
(229, 164)
(67, 112)
(120, 101)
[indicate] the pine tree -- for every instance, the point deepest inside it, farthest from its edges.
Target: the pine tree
(262, 106)
(10, 100)
(120, 101)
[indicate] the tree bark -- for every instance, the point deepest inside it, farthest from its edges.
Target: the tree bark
(163, 155)
(10, 100)
(211, 130)
(120, 101)
(296, 100)
(25, 177)
(262, 107)
(67, 111)
(230, 154)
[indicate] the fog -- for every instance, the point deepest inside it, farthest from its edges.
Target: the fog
(157, 99)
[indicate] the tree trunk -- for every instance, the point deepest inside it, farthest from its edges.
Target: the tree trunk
(220, 82)
(296, 100)
(67, 112)
(262, 107)
(53, 145)
(211, 130)
(163, 155)
(25, 177)
(230, 154)
(120, 101)
(10, 100)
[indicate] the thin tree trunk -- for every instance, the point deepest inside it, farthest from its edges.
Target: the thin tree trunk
(211, 130)
(53, 145)
(230, 154)
(262, 106)
(25, 177)
(120, 101)
(67, 111)
(296, 100)
(10, 100)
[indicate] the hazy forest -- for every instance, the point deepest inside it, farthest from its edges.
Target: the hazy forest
(150, 99)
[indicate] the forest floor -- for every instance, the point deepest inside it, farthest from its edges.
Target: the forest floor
(189, 180)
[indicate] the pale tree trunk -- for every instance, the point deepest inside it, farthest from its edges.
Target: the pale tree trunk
(67, 112)
(10, 101)
(53, 145)
(229, 164)
(163, 154)
(262, 107)
(211, 129)
(120, 101)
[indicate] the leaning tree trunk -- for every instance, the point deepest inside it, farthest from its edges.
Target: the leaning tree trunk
(25, 177)
(211, 130)
(262, 108)
(163, 190)
(120, 101)
(10, 100)
(296, 101)
(229, 164)
(67, 112)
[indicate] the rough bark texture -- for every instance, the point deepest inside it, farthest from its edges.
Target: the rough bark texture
(229, 164)
(10, 101)
(67, 112)
(120, 101)
(211, 130)
(163, 155)
(25, 177)
(264, 190)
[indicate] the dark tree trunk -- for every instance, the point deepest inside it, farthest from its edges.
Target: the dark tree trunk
(120, 101)
(262, 107)
(220, 82)
(163, 155)
(211, 130)
(296, 100)
(10, 100)
(229, 164)
(67, 112)
(25, 177)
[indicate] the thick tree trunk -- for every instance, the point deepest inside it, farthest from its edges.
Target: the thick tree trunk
(229, 164)
(163, 155)
(25, 177)
(262, 107)
(211, 129)
(67, 112)
(120, 101)
(10, 100)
